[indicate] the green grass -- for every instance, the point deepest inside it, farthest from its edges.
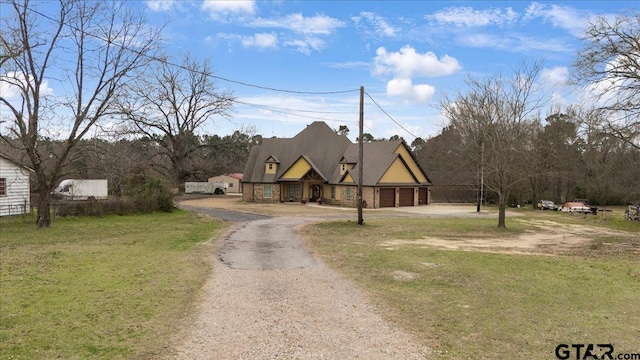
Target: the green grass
(112, 287)
(477, 305)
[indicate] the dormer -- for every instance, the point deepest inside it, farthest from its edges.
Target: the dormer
(271, 165)
(345, 165)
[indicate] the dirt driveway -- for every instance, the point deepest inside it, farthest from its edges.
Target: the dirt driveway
(547, 237)
(269, 298)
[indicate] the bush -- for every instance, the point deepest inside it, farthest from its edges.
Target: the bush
(149, 194)
(95, 208)
(142, 195)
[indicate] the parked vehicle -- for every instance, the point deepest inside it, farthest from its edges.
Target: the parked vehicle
(573, 207)
(82, 189)
(592, 208)
(547, 205)
(204, 188)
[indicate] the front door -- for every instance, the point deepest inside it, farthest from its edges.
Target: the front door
(316, 192)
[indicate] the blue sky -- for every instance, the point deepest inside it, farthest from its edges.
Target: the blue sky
(406, 54)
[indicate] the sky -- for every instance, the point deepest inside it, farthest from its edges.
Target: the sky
(290, 63)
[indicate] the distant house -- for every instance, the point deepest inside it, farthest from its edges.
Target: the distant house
(320, 165)
(15, 187)
(232, 182)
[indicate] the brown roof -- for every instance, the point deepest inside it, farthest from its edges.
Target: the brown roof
(318, 143)
(377, 158)
(324, 150)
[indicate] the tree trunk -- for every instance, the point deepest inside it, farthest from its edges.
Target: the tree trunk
(502, 209)
(44, 208)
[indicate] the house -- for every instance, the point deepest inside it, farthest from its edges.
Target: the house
(15, 187)
(320, 165)
(232, 182)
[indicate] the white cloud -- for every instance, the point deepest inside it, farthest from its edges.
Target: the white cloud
(262, 41)
(557, 76)
(564, 17)
(319, 24)
(351, 65)
(223, 10)
(609, 90)
(11, 91)
(161, 5)
(381, 27)
(404, 87)
(512, 42)
(407, 63)
(306, 45)
(469, 17)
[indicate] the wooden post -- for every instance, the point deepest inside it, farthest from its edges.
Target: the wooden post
(360, 156)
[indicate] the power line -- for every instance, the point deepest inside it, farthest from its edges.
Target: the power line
(293, 114)
(165, 61)
(389, 116)
(268, 107)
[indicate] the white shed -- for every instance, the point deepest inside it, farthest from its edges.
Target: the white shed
(14, 187)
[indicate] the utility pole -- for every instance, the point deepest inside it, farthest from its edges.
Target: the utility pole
(360, 156)
(481, 176)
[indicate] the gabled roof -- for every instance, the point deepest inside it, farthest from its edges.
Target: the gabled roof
(320, 145)
(325, 150)
(312, 167)
(15, 162)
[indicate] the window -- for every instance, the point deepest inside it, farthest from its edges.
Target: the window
(3, 187)
(268, 191)
(270, 166)
(230, 185)
(294, 192)
(333, 192)
(349, 194)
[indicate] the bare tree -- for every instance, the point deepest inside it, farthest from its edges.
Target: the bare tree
(609, 67)
(68, 61)
(493, 119)
(170, 104)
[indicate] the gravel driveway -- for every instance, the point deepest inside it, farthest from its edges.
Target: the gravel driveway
(269, 298)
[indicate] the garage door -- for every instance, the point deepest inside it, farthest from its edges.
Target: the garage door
(424, 196)
(406, 197)
(387, 197)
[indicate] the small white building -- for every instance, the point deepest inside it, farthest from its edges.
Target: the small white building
(232, 182)
(15, 187)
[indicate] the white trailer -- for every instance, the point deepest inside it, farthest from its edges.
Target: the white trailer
(204, 188)
(82, 189)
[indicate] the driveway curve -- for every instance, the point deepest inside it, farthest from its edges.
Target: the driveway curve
(269, 298)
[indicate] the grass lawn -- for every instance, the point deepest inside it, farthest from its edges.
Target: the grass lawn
(483, 305)
(112, 287)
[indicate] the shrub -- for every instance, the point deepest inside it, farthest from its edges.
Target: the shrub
(142, 194)
(149, 194)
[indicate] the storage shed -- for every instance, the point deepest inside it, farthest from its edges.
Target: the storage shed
(232, 182)
(14, 187)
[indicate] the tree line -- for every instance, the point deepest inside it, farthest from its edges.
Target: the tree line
(497, 139)
(131, 109)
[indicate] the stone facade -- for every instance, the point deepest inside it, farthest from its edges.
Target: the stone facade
(255, 193)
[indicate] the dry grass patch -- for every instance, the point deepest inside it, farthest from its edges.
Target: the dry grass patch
(235, 203)
(472, 304)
